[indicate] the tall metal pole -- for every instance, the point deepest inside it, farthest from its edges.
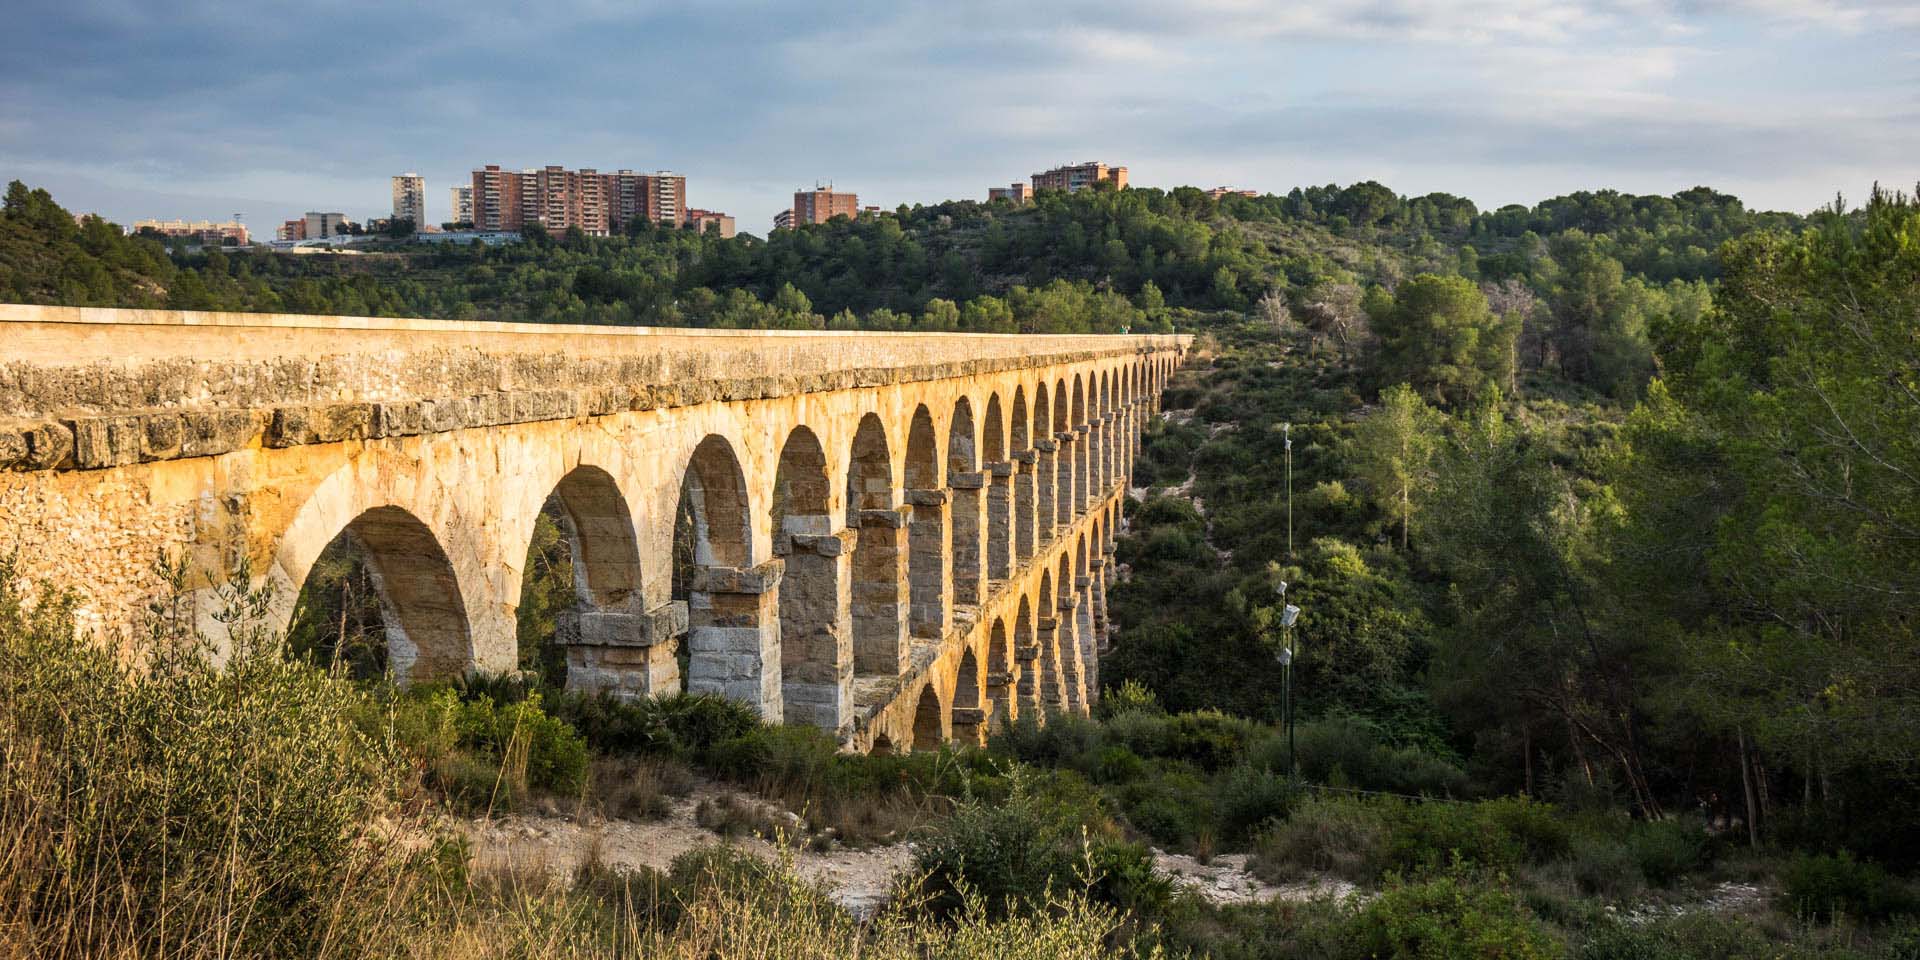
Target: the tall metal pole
(1287, 434)
(1287, 704)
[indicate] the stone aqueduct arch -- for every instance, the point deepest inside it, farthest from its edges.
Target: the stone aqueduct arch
(902, 539)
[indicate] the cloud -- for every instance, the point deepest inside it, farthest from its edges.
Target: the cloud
(177, 109)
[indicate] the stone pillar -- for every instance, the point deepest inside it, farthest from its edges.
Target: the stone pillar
(1084, 649)
(629, 655)
(1100, 567)
(969, 555)
(880, 593)
(999, 520)
(1064, 510)
(1046, 476)
(1027, 655)
(816, 629)
(1052, 679)
(1024, 533)
(929, 567)
(734, 635)
(1082, 490)
(1097, 458)
(970, 725)
(1000, 692)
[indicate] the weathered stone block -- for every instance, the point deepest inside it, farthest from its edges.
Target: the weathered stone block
(753, 580)
(893, 519)
(327, 423)
(404, 418)
(967, 481)
(162, 434)
(1000, 468)
(49, 445)
(1045, 446)
(207, 433)
(926, 498)
(830, 545)
(13, 447)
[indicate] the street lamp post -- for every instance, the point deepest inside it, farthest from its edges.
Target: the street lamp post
(1286, 434)
(1289, 614)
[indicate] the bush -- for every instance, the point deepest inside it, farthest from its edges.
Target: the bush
(1017, 854)
(1345, 837)
(156, 809)
(1251, 799)
(1604, 865)
(1827, 886)
(1667, 850)
(1446, 917)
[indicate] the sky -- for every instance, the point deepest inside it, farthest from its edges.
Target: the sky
(182, 108)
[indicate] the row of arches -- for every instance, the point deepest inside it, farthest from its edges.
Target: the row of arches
(850, 565)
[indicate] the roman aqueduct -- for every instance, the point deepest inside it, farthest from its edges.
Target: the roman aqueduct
(901, 538)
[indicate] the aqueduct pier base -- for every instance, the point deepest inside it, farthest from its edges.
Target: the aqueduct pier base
(901, 538)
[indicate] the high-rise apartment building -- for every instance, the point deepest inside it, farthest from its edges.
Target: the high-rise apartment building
(783, 220)
(556, 198)
(460, 200)
(822, 204)
(1080, 176)
(410, 199)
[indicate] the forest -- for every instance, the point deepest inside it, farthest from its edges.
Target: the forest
(1603, 517)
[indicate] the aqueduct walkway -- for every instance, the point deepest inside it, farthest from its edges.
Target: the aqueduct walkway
(897, 537)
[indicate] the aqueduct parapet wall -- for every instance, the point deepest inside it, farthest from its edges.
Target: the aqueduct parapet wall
(897, 537)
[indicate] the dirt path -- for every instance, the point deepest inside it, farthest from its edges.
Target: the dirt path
(859, 880)
(1225, 879)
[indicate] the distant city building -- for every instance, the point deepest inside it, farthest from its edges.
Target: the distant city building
(461, 204)
(292, 230)
(1218, 192)
(711, 220)
(1016, 192)
(318, 225)
(410, 198)
(1080, 176)
(822, 204)
(783, 220)
(557, 199)
(205, 231)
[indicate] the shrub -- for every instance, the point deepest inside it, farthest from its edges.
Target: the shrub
(1132, 697)
(1342, 836)
(1826, 886)
(155, 809)
(1446, 917)
(1429, 836)
(1250, 799)
(1667, 850)
(1604, 865)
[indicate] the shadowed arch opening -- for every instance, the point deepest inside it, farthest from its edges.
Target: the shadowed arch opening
(928, 729)
(1046, 472)
(998, 485)
(1025, 670)
(882, 747)
(382, 599)
(1082, 463)
(969, 719)
(999, 679)
(1024, 534)
(929, 555)
(1063, 470)
(583, 560)
(966, 489)
(879, 600)
(712, 544)
(816, 648)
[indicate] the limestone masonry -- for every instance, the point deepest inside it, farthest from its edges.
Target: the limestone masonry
(902, 538)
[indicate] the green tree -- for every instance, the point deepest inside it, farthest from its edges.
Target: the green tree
(1438, 334)
(1392, 453)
